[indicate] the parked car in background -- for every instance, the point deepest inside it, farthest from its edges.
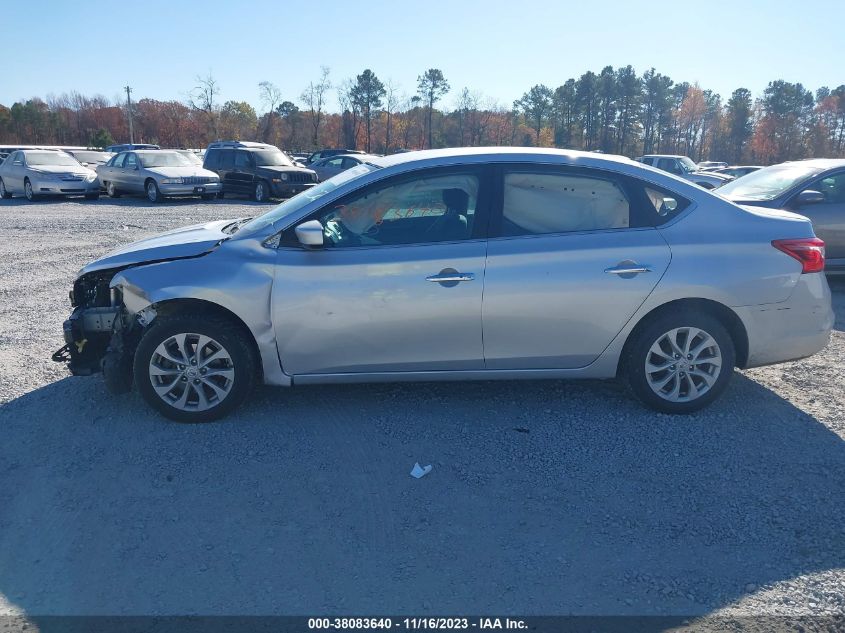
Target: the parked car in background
(458, 264)
(710, 165)
(328, 167)
(158, 174)
(814, 188)
(299, 157)
(39, 172)
(258, 170)
(326, 153)
(684, 167)
(736, 171)
(90, 157)
(125, 147)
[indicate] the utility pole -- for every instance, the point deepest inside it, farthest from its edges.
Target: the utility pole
(129, 110)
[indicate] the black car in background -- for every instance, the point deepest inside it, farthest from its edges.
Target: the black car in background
(256, 169)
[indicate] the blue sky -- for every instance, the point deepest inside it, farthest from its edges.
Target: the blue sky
(500, 48)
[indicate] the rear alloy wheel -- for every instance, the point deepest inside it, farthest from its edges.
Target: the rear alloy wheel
(262, 191)
(112, 191)
(5, 193)
(680, 363)
(27, 190)
(153, 193)
(193, 368)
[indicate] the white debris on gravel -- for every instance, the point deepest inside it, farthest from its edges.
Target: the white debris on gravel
(550, 497)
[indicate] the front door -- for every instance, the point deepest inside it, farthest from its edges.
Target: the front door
(397, 286)
(566, 268)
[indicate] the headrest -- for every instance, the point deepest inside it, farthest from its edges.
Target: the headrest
(456, 200)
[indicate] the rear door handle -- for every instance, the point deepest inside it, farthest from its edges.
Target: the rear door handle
(450, 277)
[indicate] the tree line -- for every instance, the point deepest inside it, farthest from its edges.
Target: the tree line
(613, 111)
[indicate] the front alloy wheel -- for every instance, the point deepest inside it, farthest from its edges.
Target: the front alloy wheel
(193, 368)
(27, 190)
(680, 363)
(261, 192)
(153, 194)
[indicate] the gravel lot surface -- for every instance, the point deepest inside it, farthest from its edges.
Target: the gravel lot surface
(544, 498)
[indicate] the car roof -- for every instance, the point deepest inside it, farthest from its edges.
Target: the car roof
(820, 163)
(480, 154)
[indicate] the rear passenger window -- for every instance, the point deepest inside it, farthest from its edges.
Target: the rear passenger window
(542, 203)
(212, 160)
(242, 160)
(227, 159)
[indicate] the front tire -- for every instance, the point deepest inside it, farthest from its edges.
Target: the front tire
(680, 362)
(5, 193)
(28, 192)
(112, 191)
(153, 192)
(262, 191)
(193, 368)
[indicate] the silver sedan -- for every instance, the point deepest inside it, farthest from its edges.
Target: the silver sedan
(40, 172)
(158, 174)
(458, 264)
(329, 167)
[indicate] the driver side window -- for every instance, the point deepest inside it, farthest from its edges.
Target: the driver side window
(131, 161)
(434, 208)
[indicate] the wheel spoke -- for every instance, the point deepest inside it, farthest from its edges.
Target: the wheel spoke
(202, 399)
(164, 390)
(220, 354)
(704, 376)
(157, 370)
(221, 393)
(225, 372)
(691, 334)
(692, 391)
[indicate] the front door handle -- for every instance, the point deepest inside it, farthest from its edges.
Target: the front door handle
(627, 268)
(454, 277)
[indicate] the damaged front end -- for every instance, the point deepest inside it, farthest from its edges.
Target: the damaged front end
(100, 335)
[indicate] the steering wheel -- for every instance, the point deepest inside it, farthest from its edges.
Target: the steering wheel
(339, 235)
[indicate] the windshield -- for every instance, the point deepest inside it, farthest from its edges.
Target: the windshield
(688, 165)
(292, 205)
(271, 157)
(92, 157)
(36, 159)
(191, 156)
(768, 183)
(164, 159)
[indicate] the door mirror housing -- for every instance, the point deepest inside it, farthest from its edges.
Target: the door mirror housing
(667, 206)
(808, 196)
(310, 234)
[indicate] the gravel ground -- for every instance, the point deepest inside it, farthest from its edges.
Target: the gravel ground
(544, 498)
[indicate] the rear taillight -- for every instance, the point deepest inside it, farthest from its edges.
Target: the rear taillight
(807, 250)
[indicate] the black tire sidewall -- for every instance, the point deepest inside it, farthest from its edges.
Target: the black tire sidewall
(230, 336)
(639, 347)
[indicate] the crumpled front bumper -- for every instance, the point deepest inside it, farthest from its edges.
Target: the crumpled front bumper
(87, 333)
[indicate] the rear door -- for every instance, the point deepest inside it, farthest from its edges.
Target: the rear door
(828, 217)
(227, 167)
(570, 259)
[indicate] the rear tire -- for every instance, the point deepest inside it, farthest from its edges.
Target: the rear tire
(5, 193)
(680, 362)
(194, 368)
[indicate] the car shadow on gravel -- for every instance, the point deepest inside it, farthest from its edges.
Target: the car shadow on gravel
(544, 498)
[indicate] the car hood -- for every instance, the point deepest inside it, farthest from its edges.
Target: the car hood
(283, 168)
(181, 172)
(62, 169)
(189, 241)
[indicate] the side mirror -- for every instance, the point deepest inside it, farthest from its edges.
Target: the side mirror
(310, 234)
(808, 196)
(667, 206)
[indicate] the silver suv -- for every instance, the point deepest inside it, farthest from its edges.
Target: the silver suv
(458, 264)
(684, 167)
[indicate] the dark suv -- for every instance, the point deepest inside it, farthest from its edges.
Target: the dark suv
(256, 169)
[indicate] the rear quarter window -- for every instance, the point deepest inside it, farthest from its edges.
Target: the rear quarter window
(653, 205)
